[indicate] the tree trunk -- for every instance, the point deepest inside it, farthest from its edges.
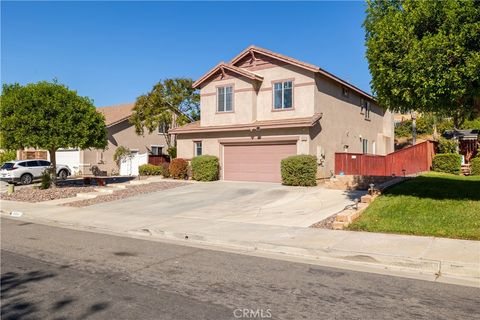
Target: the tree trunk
(53, 170)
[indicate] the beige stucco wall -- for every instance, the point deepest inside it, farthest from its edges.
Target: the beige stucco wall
(341, 124)
(121, 134)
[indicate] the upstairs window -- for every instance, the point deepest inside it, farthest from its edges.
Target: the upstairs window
(163, 128)
(365, 108)
(225, 99)
(345, 92)
(283, 95)
(365, 146)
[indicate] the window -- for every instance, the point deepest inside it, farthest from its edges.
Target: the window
(374, 148)
(283, 95)
(198, 148)
(345, 92)
(365, 145)
(32, 164)
(225, 99)
(365, 108)
(163, 128)
(156, 150)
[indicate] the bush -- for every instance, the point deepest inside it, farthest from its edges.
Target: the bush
(475, 166)
(178, 168)
(150, 170)
(299, 170)
(205, 168)
(447, 145)
(7, 155)
(447, 162)
(46, 180)
(165, 170)
(120, 153)
(172, 152)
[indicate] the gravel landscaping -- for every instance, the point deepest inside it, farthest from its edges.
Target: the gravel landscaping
(38, 195)
(130, 191)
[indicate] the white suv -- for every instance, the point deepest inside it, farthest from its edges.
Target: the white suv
(26, 171)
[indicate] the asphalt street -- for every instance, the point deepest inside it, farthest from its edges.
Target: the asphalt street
(56, 273)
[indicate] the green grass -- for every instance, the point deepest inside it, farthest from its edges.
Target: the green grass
(432, 204)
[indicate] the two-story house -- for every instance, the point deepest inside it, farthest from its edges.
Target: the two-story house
(263, 106)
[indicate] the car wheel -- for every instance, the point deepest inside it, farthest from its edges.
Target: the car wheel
(26, 178)
(63, 174)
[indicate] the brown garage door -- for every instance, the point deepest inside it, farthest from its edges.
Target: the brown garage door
(255, 162)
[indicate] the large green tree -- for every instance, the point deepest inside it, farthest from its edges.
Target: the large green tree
(425, 55)
(49, 116)
(171, 101)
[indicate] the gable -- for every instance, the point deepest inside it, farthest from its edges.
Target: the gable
(258, 62)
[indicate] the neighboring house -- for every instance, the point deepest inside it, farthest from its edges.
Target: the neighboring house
(262, 107)
(120, 133)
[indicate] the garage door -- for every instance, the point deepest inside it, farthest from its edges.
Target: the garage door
(69, 157)
(255, 162)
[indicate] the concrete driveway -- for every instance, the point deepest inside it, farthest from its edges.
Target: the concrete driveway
(245, 202)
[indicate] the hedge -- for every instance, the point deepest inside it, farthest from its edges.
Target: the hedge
(205, 168)
(447, 162)
(300, 170)
(150, 170)
(178, 168)
(475, 166)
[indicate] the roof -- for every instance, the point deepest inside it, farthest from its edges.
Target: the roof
(117, 113)
(254, 49)
(222, 66)
(262, 124)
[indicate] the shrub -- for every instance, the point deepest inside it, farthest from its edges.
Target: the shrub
(150, 170)
(205, 168)
(7, 155)
(46, 180)
(475, 166)
(120, 153)
(178, 168)
(165, 170)
(447, 162)
(447, 145)
(299, 170)
(172, 152)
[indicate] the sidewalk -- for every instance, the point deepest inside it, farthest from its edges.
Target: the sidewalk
(428, 255)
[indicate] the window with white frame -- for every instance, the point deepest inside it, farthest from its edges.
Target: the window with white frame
(198, 148)
(365, 145)
(365, 108)
(283, 95)
(225, 99)
(156, 150)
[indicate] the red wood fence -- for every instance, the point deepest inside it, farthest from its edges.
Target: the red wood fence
(158, 160)
(410, 160)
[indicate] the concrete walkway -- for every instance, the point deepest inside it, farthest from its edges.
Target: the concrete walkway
(436, 256)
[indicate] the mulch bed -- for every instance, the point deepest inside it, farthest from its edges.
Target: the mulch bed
(38, 195)
(325, 223)
(130, 191)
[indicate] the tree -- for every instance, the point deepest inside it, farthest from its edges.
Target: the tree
(49, 116)
(425, 55)
(171, 101)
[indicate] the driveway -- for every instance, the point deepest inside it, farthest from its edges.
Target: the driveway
(245, 202)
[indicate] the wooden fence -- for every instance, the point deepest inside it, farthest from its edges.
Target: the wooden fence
(407, 161)
(158, 160)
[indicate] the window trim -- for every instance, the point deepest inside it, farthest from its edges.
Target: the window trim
(233, 97)
(292, 80)
(365, 146)
(195, 148)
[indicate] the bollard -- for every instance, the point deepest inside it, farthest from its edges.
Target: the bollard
(10, 188)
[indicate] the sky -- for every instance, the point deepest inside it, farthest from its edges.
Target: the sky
(113, 52)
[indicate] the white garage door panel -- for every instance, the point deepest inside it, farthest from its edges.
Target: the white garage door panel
(71, 158)
(259, 162)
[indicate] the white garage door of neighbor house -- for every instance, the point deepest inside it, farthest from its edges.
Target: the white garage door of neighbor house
(255, 162)
(69, 157)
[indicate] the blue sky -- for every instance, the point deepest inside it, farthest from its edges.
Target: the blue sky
(113, 52)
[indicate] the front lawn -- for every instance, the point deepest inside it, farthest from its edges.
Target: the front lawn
(432, 204)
